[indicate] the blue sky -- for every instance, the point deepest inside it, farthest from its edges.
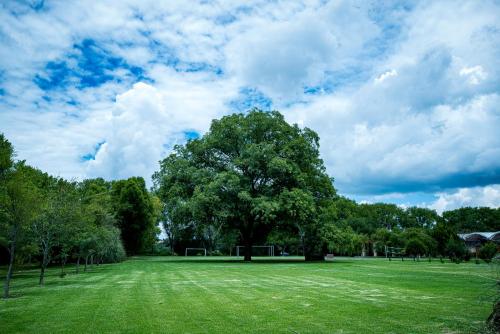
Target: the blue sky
(405, 95)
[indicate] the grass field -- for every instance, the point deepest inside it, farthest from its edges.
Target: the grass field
(221, 295)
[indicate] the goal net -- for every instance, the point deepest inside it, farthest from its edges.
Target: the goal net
(256, 250)
(196, 252)
(394, 252)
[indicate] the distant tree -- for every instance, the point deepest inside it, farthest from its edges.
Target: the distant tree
(420, 217)
(342, 240)
(422, 235)
(488, 251)
(256, 171)
(135, 215)
(456, 250)
(383, 238)
(415, 247)
(6, 155)
(467, 219)
(55, 227)
(286, 240)
(97, 213)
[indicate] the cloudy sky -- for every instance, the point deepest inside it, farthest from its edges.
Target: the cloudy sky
(404, 95)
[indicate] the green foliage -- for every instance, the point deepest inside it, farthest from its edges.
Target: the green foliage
(6, 155)
(250, 173)
(456, 250)
(19, 205)
(420, 218)
(467, 219)
(488, 251)
(415, 247)
(341, 240)
(286, 241)
(135, 215)
(420, 235)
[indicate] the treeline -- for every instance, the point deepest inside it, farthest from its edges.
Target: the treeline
(372, 229)
(352, 229)
(254, 179)
(47, 219)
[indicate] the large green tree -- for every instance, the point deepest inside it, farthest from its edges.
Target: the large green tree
(251, 172)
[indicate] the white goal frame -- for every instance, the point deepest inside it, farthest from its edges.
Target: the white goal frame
(271, 249)
(191, 248)
(394, 252)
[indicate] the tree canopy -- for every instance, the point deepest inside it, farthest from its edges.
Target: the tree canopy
(250, 172)
(135, 214)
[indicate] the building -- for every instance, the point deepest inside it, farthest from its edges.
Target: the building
(474, 241)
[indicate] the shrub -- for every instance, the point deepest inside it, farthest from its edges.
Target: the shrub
(216, 253)
(488, 251)
(415, 247)
(162, 250)
(456, 251)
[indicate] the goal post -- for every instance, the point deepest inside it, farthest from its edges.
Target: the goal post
(196, 249)
(394, 252)
(270, 250)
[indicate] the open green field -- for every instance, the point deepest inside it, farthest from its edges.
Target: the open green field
(222, 295)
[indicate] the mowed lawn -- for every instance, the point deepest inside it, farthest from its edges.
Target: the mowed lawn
(222, 295)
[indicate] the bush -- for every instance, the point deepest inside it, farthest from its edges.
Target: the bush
(161, 250)
(216, 253)
(487, 251)
(456, 251)
(415, 247)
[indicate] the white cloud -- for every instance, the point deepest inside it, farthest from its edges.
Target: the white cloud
(474, 74)
(405, 98)
(478, 196)
(384, 76)
(146, 121)
(280, 57)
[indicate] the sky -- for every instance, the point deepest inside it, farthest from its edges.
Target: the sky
(405, 95)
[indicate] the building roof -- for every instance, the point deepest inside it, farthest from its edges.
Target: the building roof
(480, 236)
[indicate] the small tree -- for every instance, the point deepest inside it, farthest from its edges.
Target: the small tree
(55, 226)
(415, 247)
(488, 251)
(18, 206)
(455, 249)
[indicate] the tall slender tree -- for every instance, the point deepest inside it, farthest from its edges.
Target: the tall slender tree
(135, 215)
(19, 205)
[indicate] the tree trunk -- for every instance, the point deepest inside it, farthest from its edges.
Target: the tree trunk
(86, 262)
(78, 265)
(313, 251)
(6, 286)
(63, 263)
(42, 274)
(248, 248)
(45, 262)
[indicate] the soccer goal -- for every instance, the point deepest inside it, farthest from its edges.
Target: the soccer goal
(195, 251)
(256, 250)
(391, 252)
